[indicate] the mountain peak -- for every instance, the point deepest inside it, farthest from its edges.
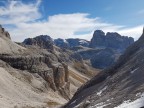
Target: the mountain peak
(43, 41)
(110, 40)
(98, 33)
(4, 33)
(6, 45)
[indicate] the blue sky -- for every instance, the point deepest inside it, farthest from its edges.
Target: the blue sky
(114, 11)
(71, 18)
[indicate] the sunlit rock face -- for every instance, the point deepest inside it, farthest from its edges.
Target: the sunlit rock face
(4, 33)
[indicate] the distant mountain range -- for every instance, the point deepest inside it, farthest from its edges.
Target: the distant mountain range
(102, 51)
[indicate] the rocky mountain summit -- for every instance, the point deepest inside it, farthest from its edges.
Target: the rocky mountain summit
(110, 40)
(42, 41)
(119, 86)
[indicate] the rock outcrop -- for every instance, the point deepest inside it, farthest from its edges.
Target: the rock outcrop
(4, 33)
(110, 40)
(42, 41)
(56, 74)
(6, 45)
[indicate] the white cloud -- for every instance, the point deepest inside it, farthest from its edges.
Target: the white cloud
(134, 32)
(17, 12)
(24, 18)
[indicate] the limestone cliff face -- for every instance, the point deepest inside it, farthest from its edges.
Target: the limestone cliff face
(110, 40)
(56, 74)
(98, 39)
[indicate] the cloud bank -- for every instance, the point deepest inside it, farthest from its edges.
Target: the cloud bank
(25, 20)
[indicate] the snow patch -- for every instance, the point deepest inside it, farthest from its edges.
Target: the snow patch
(109, 99)
(100, 105)
(82, 41)
(135, 104)
(100, 92)
(65, 40)
(74, 102)
(133, 71)
(138, 94)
